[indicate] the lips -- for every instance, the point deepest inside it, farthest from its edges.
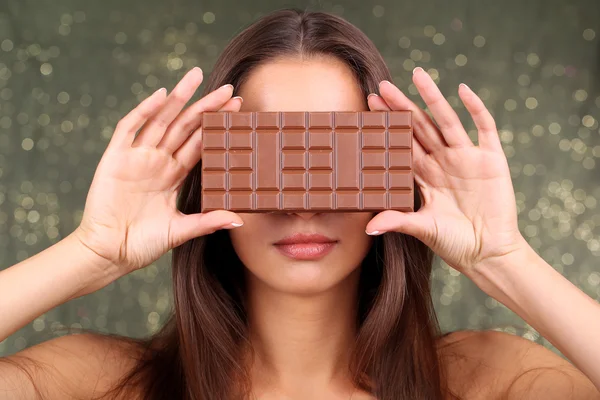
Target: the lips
(301, 246)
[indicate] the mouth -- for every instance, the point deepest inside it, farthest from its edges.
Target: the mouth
(300, 246)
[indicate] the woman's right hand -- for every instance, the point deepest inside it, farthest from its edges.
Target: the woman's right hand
(130, 216)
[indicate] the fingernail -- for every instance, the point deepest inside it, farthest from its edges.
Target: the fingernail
(374, 233)
(162, 89)
(462, 84)
(197, 69)
(231, 225)
(417, 69)
(238, 97)
(372, 94)
(229, 84)
(385, 81)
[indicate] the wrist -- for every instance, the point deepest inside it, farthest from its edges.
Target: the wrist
(95, 271)
(497, 275)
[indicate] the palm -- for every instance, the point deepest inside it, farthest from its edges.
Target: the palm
(468, 192)
(132, 202)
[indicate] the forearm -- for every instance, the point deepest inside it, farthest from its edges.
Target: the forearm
(52, 277)
(547, 301)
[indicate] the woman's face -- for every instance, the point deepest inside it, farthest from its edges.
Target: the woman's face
(270, 244)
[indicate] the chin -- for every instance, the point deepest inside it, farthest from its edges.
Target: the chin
(303, 278)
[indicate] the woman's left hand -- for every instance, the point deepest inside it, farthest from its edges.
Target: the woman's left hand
(469, 218)
(468, 213)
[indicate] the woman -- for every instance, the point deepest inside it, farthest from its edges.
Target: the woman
(252, 318)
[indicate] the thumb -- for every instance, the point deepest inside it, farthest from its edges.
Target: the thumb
(186, 227)
(415, 224)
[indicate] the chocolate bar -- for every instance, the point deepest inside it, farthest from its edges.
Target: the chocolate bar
(309, 161)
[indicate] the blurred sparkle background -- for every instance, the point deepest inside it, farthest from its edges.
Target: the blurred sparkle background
(70, 69)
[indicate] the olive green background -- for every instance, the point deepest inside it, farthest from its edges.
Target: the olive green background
(70, 69)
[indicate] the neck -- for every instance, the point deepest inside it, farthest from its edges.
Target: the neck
(299, 339)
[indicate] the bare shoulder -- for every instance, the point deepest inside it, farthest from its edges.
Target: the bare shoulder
(492, 364)
(67, 367)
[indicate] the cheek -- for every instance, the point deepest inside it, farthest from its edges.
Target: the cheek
(354, 240)
(251, 238)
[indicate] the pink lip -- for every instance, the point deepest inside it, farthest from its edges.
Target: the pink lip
(305, 246)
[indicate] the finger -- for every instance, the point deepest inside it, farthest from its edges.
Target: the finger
(376, 103)
(418, 153)
(486, 126)
(424, 128)
(128, 126)
(234, 104)
(190, 152)
(452, 130)
(186, 227)
(154, 130)
(190, 119)
(417, 224)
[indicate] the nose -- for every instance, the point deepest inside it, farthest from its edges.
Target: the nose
(304, 215)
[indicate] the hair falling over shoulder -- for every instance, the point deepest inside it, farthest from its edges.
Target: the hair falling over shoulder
(201, 353)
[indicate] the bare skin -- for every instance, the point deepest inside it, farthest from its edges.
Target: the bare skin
(301, 313)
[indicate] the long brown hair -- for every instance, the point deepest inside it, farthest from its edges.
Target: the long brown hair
(199, 352)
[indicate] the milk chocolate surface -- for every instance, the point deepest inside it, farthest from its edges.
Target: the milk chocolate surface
(307, 161)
